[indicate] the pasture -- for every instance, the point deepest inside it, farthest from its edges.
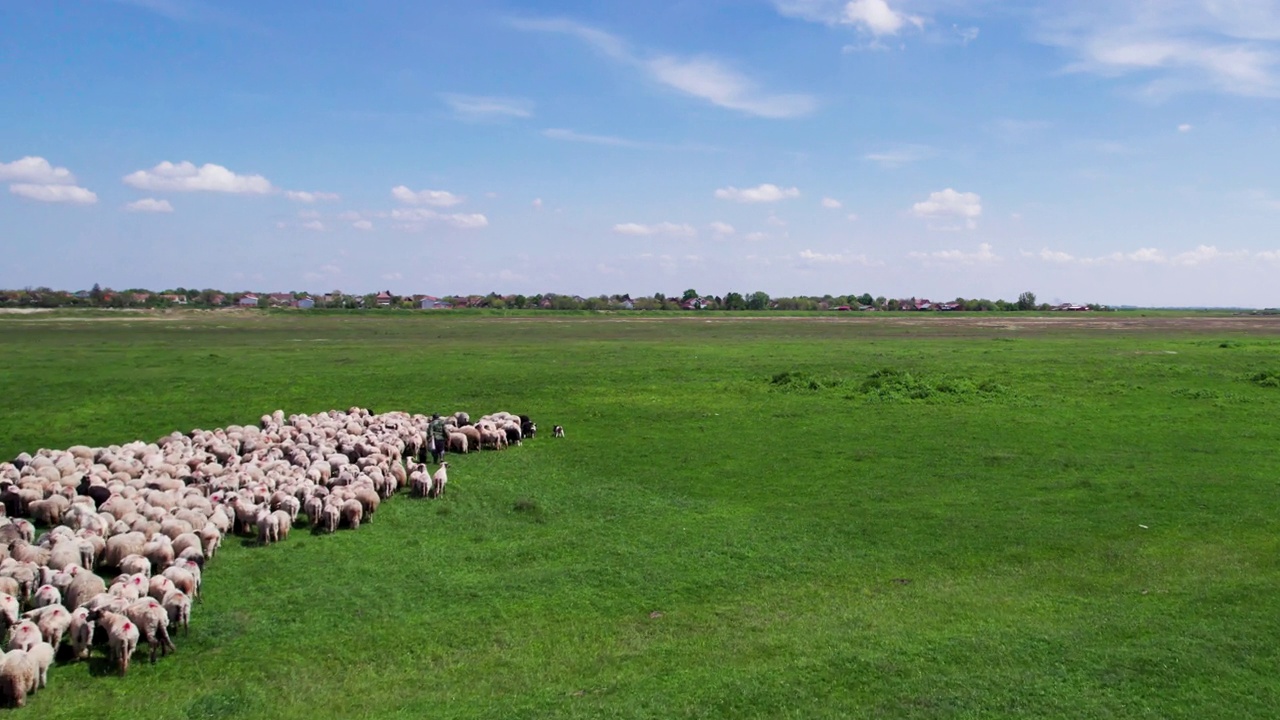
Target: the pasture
(898, 517)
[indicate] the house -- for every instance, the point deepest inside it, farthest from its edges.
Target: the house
(305, 303)
(383, 299)
(1069, 307)
(141, 297)
(843, 308)
(949, 306)
(248, 300)
(692, 304)
(218, 299)
(175, 299)
(433, 303)
(280, 299)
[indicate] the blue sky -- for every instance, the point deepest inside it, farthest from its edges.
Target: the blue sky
(1119, 152)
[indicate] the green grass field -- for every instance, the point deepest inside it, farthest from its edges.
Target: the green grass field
(749, 518)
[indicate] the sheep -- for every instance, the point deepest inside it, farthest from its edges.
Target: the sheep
(52, 620)
(284, 523)
(121, 546)
(83, 587)
(312, 508)
(23, 635)
(183, 579)
(268, 529)
(439, 480)
(352, 512)
(210, 540)
(178, 605)
(369, 501)
(159, 587)
(329, 518)
(18, 676)
(9, 608)
(557, 431)
(473, 436)
(457, 443)
(122, 636)
(153, 625)
(135, 565)
(46, 595)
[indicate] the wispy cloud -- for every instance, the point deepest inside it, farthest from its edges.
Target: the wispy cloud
(1172, 46)
(487, 107)
(572, 136)
(703, 77)
(900, 155)
(667, 229)
(149, 205)
(984, 255)
(434, 198)
(811, 258)
(1200, 255)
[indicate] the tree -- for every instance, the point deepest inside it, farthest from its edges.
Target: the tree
(96, 294)
(1027, 301)
(689, 294)
(758, 301)
(734, 301)
(866, 299)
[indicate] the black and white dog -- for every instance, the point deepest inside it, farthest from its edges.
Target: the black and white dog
(557, 431)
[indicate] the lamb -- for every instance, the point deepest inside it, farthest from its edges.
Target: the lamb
(439, 480)
(182, 579)
(42, 655)
(122, 637)
(153, 625)
(557, 431)
(18, 675)
(81, 629)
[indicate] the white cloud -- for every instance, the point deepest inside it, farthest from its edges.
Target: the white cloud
(983, 255)
(35, 171)
(1175, 45)
(875, 17)
(54, 193)
(537, 203)
(349, 215)
(705, 78)
(1150, 256)
(303, 196)
(414, 217)
(186, 177)
(667, 229)
(756, 236)
(898, 156)
(831, 203)
(722, 229)
(950, 204)
(434, 198)
(1204, 254)
(308, 214)
(314, 225)
(853, 217)
(362, 225)
(1184, 128)
(1055, 256)
(149, 205)
(485, 107)
(393, 276)
(759, 194)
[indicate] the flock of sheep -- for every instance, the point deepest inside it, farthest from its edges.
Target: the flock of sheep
(150, 515)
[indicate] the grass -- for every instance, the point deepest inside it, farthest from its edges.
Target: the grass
(755, 518)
